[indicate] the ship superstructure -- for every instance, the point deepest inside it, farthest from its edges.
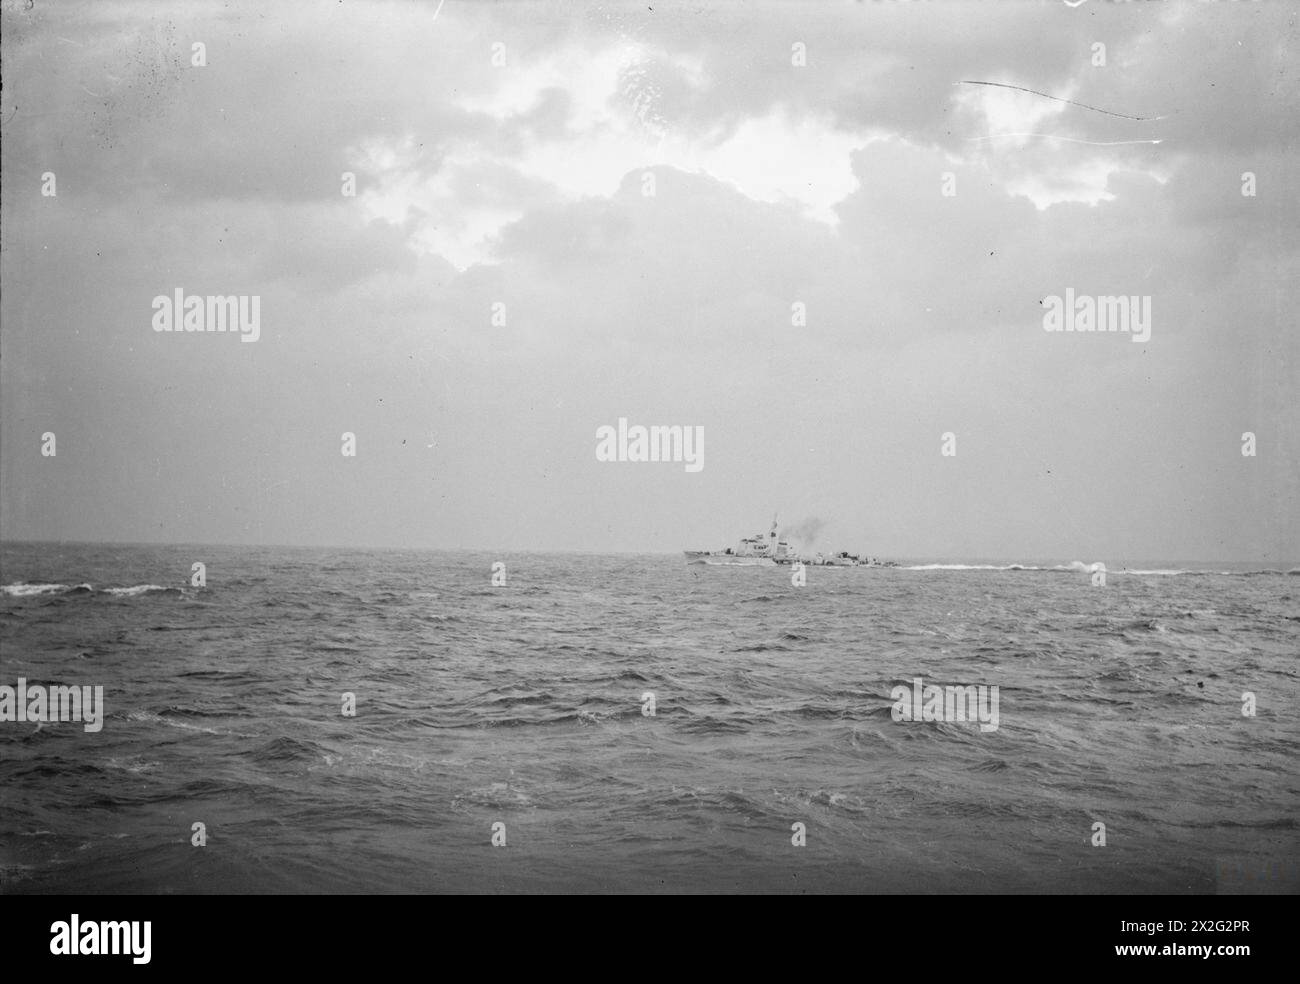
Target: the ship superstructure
(753, 551)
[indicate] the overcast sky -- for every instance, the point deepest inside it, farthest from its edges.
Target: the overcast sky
(503, 155)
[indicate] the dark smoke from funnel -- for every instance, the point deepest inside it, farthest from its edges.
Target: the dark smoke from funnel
(803, 533)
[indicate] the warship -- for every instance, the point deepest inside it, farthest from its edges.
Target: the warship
(768, 551)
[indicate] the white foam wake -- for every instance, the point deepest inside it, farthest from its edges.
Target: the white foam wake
(24, 590)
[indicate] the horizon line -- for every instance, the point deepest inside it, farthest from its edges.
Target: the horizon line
(916, 559)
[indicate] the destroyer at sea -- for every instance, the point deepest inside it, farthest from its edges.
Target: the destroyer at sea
(769, 551)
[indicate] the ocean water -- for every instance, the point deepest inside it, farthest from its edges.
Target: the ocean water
(523, 705)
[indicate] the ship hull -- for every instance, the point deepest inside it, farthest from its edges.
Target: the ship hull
(726, 560)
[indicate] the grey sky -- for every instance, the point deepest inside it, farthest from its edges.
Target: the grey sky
(523, 184)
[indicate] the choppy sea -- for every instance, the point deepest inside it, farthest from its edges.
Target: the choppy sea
(524, 705)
